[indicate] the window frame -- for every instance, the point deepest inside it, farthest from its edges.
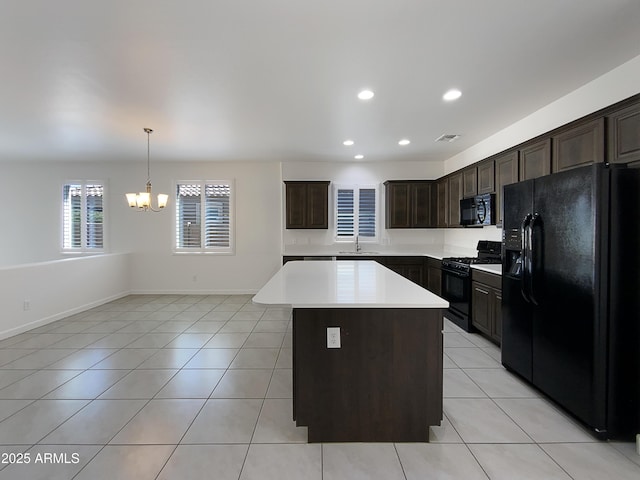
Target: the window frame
(84, 248)
(356, 188)
(204, 250)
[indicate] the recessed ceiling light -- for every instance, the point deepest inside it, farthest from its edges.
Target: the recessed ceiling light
(365, 95)
(452, 94)
(359, 156)
(348, 143)
(404, 141)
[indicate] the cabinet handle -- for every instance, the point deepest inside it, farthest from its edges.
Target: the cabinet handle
(482, 291)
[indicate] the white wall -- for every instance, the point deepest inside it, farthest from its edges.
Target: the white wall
(31, 196)
(614, 86)
(31, 218)
(467, 238)
(156, 269)
(58, 288)
(363, 174)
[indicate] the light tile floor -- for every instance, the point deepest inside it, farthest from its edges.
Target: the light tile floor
(194, 387)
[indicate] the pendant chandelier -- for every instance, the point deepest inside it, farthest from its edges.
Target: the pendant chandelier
(142, 200)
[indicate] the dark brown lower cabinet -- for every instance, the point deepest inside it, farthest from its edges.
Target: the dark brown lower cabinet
(411, 268)
(434, 275)
(486, 304)
(384, 383)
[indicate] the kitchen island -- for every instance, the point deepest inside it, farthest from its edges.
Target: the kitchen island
(367, 351)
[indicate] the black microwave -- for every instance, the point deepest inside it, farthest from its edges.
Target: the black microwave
(478, 211)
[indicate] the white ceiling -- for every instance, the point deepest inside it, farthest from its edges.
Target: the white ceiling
(277, 79)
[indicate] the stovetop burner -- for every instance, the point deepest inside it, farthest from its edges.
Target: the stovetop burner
(473, 260)
(488, 253)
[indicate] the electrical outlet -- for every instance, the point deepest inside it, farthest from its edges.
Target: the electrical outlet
(26, 305)
(333, 337)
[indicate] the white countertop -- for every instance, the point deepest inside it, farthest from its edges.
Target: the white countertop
(344, 284)
(489, 268)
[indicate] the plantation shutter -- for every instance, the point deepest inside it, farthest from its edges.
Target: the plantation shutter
(345, 209)
(95, 217)
(188, 216)
(82, 216)
(204, 217)
(72, 216)
(367, 212)
(217, 214)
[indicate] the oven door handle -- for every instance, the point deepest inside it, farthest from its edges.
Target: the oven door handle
(455, 272)
(525, 253)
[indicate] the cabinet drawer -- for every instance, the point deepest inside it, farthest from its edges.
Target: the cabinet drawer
(489, 279)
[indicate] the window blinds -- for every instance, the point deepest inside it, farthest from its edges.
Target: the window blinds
(82, 216)
(211, 230)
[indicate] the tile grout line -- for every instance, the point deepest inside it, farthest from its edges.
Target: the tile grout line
(127, 423)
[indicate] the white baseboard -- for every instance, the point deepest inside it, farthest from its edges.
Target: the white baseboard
(59, 316)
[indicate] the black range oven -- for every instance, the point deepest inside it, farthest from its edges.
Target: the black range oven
(456, 281)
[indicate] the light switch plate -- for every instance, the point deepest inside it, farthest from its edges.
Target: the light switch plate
(333, 337)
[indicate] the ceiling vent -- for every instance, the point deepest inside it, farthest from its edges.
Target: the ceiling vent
(447, 137)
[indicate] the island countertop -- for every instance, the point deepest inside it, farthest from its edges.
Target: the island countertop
(344, 284)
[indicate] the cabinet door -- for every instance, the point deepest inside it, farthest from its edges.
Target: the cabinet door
(506, 173)
(470, 182)
(422, 205)
(455, 195)
(443, 203)
(496, 328)
(624, 135)
(582, 145)
(486, 177)
(317, 205)
(481, 307)
(434, 280)
(412, 271)
(398, 205)
(296, 205)
(535, 160)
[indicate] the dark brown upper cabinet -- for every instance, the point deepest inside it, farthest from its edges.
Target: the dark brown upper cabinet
(423, 202)
(410, 204)
(470, 182)
(535, 159)
(455, 195)
(581, 145)
(442, 200)
(506, 173)
(307, 204)
(624, 135)
(486, 177)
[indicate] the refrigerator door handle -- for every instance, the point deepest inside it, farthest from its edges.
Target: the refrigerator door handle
(525, 254)
(534, 251)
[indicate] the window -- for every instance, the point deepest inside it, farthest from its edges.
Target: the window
(83, 217)
(356, 213)
(204, 217)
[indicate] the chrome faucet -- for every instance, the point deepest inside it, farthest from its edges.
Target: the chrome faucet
(358, 247)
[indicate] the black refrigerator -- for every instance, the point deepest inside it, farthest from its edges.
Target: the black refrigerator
(571, 292)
